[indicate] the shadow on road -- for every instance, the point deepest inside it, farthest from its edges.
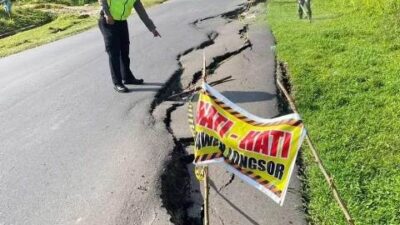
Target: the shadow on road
(248, 96)
(152, 84)
(251, 220)
(143, 89)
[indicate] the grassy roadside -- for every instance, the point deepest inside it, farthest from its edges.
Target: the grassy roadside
(345, 76)
(23, 18)
(62, 25)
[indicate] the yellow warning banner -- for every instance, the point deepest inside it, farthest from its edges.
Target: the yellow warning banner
(260, 151)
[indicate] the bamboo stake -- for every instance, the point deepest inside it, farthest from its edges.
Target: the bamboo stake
(204, 74)
(196, 89)
(318, 160)
(206, 188)
(206, 194)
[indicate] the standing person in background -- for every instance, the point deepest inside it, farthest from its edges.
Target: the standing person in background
(114, 28)
(305, 7)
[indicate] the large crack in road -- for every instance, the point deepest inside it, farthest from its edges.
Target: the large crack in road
(75, 152)
(175, 179)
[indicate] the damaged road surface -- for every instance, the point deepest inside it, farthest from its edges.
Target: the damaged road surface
(73, 151)
(240, 47)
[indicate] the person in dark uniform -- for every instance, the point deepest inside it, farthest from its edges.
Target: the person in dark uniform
(114, 28)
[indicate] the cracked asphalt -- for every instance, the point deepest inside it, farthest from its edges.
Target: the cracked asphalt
(73, 151)
(242, 49)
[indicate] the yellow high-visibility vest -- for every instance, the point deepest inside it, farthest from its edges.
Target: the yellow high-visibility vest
(120, 9)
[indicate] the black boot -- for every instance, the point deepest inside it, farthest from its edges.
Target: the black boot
(133, 81)
(120, 88)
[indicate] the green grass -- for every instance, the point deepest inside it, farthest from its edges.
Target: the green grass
(22, 18)
(345, 73)
(63, 25)
(64, 2)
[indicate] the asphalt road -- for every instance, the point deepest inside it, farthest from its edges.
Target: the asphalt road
(72, 150)
(244, 50)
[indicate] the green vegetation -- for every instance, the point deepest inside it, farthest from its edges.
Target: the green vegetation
(23, 18)
(63, 26)
(63, 2)
(54, 20)
(46, 20)
(345, 76)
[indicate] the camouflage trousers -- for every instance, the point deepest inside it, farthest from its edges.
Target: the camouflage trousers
(305, 7)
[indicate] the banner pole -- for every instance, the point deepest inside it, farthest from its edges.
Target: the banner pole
(206, 199)
(206, 188)
(204, 74)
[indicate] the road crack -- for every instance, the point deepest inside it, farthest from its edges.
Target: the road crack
(227, 184)
(175, 178)
(217, 61)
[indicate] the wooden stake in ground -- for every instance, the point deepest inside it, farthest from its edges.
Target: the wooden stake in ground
(206, 194)
(206, 188)
(204, 74)
(328, 178)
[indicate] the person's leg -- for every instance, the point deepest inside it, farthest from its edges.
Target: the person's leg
(111, 39)
(127, 75)
(300, 9)
(125, 60)
(308, 6)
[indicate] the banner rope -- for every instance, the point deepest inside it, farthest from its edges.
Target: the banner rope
(328, 178)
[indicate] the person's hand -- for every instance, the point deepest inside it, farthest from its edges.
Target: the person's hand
(109, 20)
(155, 33)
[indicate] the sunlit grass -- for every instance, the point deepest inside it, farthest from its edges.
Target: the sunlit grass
(63, 26)
(345, 75)
(55, 28)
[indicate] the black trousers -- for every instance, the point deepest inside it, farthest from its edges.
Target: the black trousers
(116, 39)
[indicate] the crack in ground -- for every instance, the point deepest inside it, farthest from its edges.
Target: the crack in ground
(235, 13)
(211, 38)
(175, 181)
(168, 120)
(175, 178)
(282, 74)
(227, 184)
(243, 32)
(173, 84)
(217, 61)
